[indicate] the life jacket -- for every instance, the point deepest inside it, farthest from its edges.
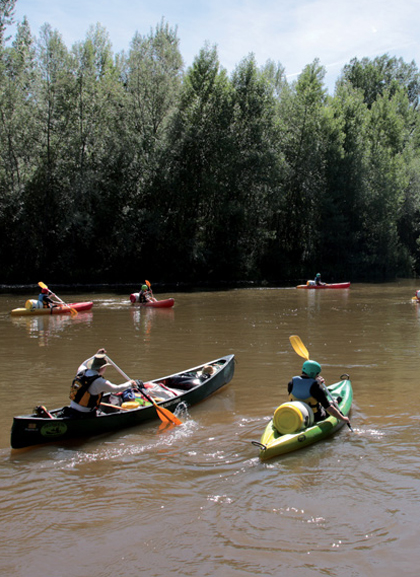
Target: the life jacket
(143, 297)
(79, 391)
(43, 301)
(301, 392)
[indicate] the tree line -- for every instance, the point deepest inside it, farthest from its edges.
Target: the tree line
(116, 167)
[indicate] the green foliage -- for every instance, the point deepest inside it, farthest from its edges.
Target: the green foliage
(115, 164)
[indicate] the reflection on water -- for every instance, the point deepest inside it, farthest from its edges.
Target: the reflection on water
(195, 499)
(145, 318)
(45, 327)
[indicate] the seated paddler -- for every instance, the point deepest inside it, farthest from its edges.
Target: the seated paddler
(45, 300)
(310, 388)
(144, 294)
(317, 280)
(89, 385)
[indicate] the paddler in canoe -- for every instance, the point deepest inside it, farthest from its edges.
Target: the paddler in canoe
(89, 385)
(310, 388)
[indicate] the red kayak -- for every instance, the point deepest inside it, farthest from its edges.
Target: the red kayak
(341, 285)
(30, 309)
(163, 304)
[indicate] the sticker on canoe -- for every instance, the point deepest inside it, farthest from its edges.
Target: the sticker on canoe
(53, 429)
(301, 438)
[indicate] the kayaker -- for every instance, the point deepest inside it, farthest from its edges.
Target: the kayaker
(310, 388)
(317, 279)
(146, 295)
(45, 300)
(89, 385)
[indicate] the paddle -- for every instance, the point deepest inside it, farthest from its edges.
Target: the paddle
(164, 414)
(149, 286)
(44, 286)
(117, 407)
(302, 351)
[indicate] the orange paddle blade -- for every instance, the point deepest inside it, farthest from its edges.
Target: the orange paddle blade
(166, 416)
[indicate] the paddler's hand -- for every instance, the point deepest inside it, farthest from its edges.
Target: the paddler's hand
(320, 380)
(138, 385)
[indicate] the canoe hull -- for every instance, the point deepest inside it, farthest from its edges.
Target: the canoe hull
(274, 444)
(341, 285)
(29, 430)
(58, 310)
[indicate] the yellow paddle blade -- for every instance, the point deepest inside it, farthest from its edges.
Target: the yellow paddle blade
(299, 347)
(42, 285)
(148, 283)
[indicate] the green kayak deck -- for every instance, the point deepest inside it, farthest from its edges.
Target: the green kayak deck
(273, 443)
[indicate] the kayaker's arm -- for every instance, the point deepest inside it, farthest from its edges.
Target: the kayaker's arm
(334, 412)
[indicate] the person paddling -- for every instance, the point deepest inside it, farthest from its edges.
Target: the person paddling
(310, 388)
(146, 294)
(45, 300)
(318, 280)
(89, 385)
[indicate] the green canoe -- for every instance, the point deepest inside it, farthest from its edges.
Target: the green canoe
(188, 387)
(273, 443)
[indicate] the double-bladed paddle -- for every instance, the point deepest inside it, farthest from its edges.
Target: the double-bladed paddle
(164, 414)
(44, 286)
(302, 351)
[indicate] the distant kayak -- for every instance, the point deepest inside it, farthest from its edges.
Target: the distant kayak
(163, 304)
(341, 285)
(31, 309)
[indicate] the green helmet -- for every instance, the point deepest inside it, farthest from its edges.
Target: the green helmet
(317, 275)
(144, 287)
(311, 368)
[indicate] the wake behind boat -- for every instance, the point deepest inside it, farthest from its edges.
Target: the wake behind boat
(189, 387)
(297, 429)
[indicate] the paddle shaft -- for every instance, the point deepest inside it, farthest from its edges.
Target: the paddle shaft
(117, 407)
(44, 286)
(164, 414)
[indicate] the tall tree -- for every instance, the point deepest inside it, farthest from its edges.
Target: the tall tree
(196, 177)
(7, 11)
(257, 162)
(18, 143)
(152, 76)
(303, 143)
(383, 74)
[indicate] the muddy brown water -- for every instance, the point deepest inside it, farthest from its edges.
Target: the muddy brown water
(196, 500)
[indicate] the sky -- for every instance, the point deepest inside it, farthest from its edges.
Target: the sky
(291, 32)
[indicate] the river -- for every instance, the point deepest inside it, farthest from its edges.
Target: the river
(196, 500)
